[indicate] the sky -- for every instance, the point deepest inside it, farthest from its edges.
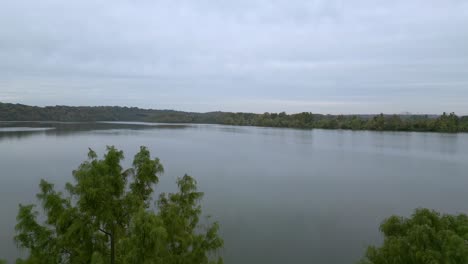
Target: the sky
(321, 56)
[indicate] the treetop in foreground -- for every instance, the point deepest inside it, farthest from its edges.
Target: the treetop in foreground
(105, 217)
(427, 237)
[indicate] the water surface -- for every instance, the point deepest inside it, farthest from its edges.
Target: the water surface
(280, 195)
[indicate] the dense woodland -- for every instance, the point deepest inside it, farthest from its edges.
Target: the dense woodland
(444, 123)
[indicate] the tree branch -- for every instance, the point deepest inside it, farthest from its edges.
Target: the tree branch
(105, 232)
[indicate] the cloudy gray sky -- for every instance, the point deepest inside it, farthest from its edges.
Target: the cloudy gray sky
(326, 56)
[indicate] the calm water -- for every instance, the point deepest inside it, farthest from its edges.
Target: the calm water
(280, 195)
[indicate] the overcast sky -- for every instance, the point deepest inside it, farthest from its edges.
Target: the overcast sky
(330, 56)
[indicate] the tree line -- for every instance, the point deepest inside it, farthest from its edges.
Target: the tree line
(446, 122)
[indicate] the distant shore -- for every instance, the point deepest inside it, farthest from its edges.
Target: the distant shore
(446, 122)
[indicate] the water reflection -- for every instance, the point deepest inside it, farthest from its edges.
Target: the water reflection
(28, 129)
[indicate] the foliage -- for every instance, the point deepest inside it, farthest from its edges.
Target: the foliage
(425, 237)
(445, 123)
(106, 217)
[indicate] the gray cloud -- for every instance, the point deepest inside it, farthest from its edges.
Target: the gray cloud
(246, 55)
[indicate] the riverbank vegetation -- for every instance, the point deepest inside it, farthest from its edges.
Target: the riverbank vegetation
(446, 122)
(106, 216)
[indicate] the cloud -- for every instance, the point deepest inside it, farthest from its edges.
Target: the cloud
(178, 53)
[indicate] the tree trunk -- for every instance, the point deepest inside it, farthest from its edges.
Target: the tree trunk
(112, 237)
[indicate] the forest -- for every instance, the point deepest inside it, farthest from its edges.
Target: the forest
(446, 122)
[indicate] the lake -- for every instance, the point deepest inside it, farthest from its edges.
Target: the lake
(280, 195)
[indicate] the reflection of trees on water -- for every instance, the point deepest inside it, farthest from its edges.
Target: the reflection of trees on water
(64, 129)
(19, 134)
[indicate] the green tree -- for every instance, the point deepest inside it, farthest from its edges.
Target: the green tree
(447, 123)
(394, 123)
(425, 237)
(356, 123)
(106, 217)
(377, 123)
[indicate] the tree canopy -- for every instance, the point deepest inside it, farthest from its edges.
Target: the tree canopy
(105, 216)
(427, 237)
